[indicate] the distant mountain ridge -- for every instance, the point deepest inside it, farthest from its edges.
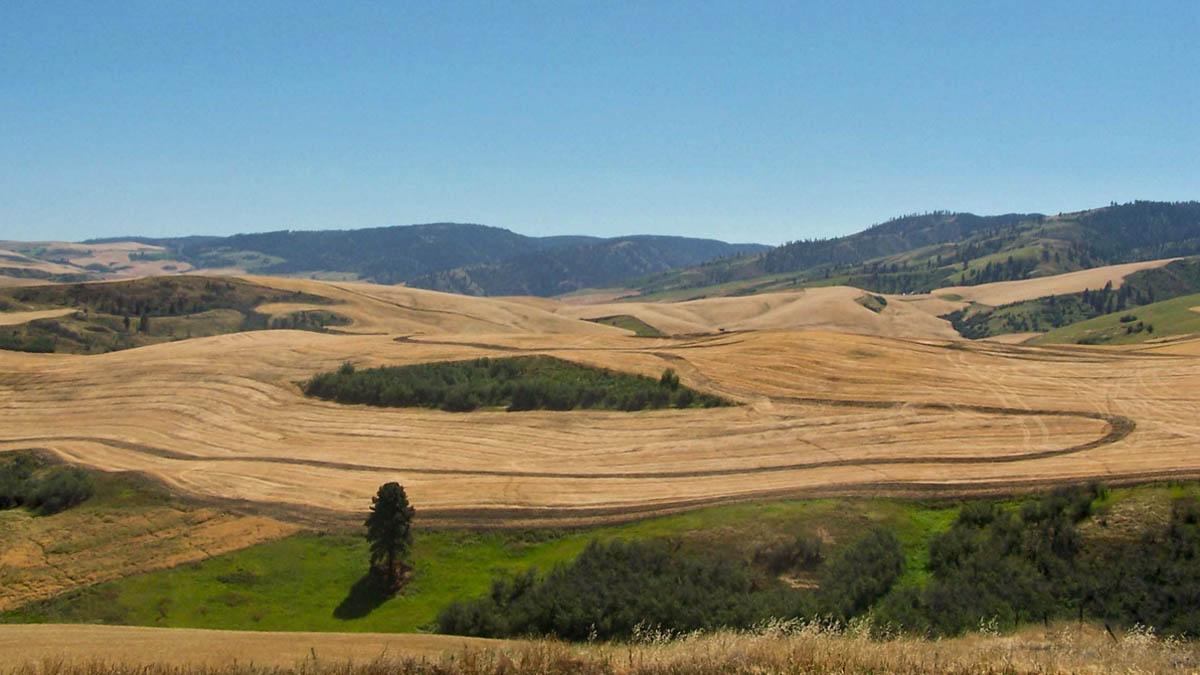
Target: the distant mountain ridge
(910, 254)
(564, 269)
(457, 257)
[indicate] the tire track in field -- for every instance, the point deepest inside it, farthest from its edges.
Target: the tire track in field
(1118, 428)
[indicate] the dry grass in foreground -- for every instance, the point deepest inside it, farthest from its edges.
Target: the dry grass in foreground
(1059, 649)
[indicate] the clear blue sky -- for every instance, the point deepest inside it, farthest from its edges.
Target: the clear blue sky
(740, 120)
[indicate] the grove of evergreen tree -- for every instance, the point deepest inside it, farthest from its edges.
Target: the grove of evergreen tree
(516, 383)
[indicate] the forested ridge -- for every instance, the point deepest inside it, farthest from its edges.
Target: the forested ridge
(920, 252)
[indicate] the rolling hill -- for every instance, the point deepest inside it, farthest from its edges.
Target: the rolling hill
(221, 417)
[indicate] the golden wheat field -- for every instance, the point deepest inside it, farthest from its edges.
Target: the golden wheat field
(1058, 648)
(821, 412)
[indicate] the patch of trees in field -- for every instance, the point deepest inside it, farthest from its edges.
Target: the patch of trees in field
(613, 589)
(26, 482)
(515, 383)
(998, 564)
(309, 319)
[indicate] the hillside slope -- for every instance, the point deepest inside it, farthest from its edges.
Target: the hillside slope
(834, 308)
(1167, 318)
(923, 252)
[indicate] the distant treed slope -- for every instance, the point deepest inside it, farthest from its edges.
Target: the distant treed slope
(596, 265)
(922, 252)
(464, 258)
(382, 254)
(1143, 230)
(894, 236)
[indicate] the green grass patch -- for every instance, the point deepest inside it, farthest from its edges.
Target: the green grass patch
(307, 581)
(313, 581)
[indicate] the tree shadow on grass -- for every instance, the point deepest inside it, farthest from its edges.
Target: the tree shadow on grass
(368, 593)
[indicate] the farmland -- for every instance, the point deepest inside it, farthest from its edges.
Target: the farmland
(228, 499)
(223, 417)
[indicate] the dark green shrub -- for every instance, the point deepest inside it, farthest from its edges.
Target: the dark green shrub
(59, 489)
(860, 574)
(669, 379)
(25, 482)
(612, 588)
(801, 553)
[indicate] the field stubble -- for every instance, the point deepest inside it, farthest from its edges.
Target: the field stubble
(107, 650)
(823, 413)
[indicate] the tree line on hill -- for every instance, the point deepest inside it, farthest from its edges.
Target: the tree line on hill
(159, 296)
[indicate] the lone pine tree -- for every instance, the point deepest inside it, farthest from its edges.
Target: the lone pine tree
(389, 532)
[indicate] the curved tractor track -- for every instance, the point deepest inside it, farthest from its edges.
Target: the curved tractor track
(1118, 428)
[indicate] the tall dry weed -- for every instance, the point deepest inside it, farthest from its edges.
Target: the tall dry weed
(783, 647)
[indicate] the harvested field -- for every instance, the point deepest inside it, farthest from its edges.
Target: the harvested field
(831, 308)
(34, 644)
(18, 318)
(1007, 292)
(115, 260)
(1013, 338)
(14, 282)
(1055, 649)
(19, 261)
(223, 417)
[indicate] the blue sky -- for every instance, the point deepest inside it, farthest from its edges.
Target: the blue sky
(744, 121)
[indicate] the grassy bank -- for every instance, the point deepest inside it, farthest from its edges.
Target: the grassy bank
(312, 581)
(315, 582)
(127, 526)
